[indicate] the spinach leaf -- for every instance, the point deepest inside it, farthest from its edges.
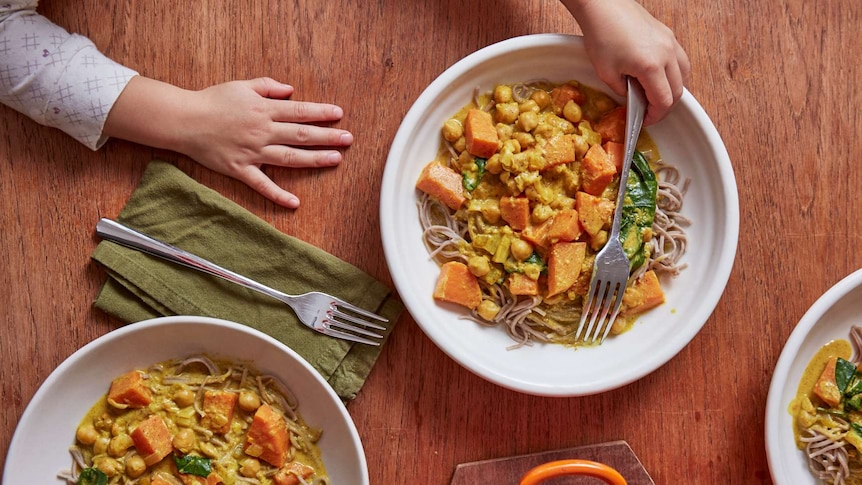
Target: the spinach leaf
(92, 476)
(844, 373)
(471, 179)
(638, 210)
(833, 412)
(856, 427)
(193, 465)
(854, 403)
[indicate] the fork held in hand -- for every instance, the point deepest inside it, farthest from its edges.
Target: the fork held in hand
(612, 267)
(324, 313)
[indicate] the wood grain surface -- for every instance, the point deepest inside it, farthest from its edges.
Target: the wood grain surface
(779, 78)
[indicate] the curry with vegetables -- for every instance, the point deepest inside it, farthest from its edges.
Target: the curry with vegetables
(196, 422)
(827, 412)
(520, 200)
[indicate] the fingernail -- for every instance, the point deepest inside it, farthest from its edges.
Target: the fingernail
(292, 202)
(345, 139)
(333, 158)
(337, 112)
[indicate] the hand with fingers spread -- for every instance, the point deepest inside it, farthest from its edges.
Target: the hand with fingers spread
(622, 39)
(233, 128)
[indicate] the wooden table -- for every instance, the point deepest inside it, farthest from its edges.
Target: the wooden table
(780, 80)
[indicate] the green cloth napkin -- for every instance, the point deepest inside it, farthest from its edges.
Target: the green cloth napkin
(170, 206)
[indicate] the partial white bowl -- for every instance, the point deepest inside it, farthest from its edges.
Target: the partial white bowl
(829, 318)
(40, 445)
(686, 138)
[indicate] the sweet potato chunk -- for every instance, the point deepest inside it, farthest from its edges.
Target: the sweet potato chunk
(565, 226)
(456, 284)
(564, 265)
(218, 407)
(642, 295)
(267, 436)
(558, 150)
(443, 183)
(287, 474)
(158, 480)
(616, 152)
(826, 388)
(598, 170)
(612, 125)
(565, 93)
(152, 440)
(593, 212)
(481, 134)
(515, 211)
(537, 235)
(521, 284)
(130, 390)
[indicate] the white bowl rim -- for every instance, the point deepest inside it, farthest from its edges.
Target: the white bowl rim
(169, 321)
(792, 346)
(729, 238)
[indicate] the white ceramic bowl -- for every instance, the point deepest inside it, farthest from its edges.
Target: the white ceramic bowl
(686, 138)
(40, 445)
(829, 318)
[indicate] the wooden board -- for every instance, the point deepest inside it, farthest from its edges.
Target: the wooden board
(617, 454)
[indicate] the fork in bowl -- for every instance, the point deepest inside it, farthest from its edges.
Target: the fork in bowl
(612, 267)
(319, 311)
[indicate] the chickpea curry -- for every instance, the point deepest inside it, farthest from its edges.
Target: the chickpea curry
(196, 422)
(520, 200)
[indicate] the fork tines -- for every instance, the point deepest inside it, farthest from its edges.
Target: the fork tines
(343, 321)
(604, 297)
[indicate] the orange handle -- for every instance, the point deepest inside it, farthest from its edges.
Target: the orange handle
(572, 467)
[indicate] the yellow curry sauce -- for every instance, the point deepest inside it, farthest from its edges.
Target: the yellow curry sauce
(213, 422)
(805, 390)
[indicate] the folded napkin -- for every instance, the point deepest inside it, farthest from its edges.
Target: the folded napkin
(170, 206)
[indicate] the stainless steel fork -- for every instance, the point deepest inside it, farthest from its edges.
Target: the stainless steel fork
(612, 267)
(324, 313)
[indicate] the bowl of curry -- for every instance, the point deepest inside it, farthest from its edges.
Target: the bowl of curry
(185, 400)
(498, 192)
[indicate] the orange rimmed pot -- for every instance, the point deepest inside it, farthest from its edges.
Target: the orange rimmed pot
(572, 467)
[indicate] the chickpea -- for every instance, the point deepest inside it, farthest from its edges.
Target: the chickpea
(87, 434)
(541, 213)
(529, 105)
(511, 145)
(581, 146)
(521, 249)
(249, 467)
(488, 310)
(452, 130)
(208, 449)
(116, 429)
(479, 265)
(541, 97)
(619, 325)
(604, 103)
(598, 241)
(528, 120)
(502, 93)
(572, 112)
(504, 131)
(491, 211)
(184, 397)
(526, 140)
(108, 465)
(101, 445)
(184, 440)
(119, 444)
(460, 145)
(248, 401)
(506, 112)
(493, 164)
(135, 466)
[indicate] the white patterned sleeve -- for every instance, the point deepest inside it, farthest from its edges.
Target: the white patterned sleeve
(56, 78)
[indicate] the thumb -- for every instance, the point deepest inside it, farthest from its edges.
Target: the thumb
(270, 88)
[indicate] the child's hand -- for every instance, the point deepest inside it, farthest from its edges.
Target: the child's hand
(622, 39)
(233, 128)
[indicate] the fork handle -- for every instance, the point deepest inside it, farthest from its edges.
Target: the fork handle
(635, 108)
(120, 234)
